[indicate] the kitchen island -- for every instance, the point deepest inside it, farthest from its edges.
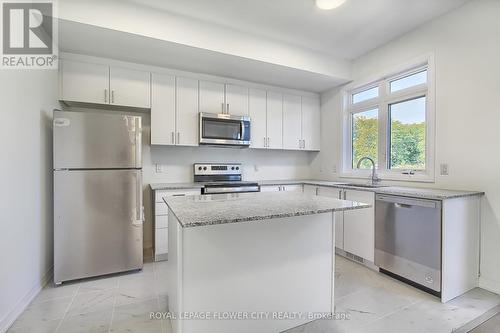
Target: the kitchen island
(251, 262)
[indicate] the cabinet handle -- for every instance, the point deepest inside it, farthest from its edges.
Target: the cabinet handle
(112, 96)
(340, 194)
(222, 108)
(268, 144)
(345, 195)
(105, 95)
(173, 138)
(227, 108)
(178, 137)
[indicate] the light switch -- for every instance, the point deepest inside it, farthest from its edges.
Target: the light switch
(444, 169)
(159, 168)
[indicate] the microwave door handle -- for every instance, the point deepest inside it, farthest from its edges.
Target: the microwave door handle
(242, 131)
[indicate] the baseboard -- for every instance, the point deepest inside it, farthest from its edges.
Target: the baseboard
(22, 304)
(478, 321)
(489, 284)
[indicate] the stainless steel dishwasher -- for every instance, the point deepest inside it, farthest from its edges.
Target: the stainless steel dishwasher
(408, 240)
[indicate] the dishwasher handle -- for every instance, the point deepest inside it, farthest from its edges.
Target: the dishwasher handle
(404, 202)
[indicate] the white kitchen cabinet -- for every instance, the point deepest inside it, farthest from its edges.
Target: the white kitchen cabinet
(160, 223)
(84, 82)
(281, 188)
(187, 124)
(258, 116)
(129, 87)
(212, 97)
(274, 120)
(100, 84)
(292, 122)
(162, 109)
(311, 123)
(339, 216)
(236, 100)
(359, 226)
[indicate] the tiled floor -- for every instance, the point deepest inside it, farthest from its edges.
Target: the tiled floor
(374, 302)
(120, 303)
(377, 303)
(491, 326)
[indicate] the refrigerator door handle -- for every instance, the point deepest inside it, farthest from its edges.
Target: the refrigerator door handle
(138, 142)
(139, 220)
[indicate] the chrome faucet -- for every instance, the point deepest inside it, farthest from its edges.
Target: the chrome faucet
(375, 178)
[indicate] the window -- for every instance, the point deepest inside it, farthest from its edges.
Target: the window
(407, 121)
(364, 95)
(409, 81)
(364, 137)
(391, 120)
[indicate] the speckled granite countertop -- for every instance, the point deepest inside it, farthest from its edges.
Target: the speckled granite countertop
(415, 192)
(198, 210)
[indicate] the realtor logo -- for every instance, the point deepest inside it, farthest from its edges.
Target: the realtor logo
(28, 35)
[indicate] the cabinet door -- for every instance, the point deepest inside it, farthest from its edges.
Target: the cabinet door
(162, 109)
(339, 216)
(274, 120)
(359, 226)
(212, 97)
(187, 112)
(83, 82)
(258, 123)
(236, 100)
(130, 87)
(311, 123)
(292, 129)
(270, 188)
(292, 188)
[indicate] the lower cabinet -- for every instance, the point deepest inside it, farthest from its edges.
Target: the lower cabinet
(160, 222)
(281, 188)
(354, 229)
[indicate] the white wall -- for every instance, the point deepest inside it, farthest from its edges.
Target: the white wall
(466, 47)
(26, 226)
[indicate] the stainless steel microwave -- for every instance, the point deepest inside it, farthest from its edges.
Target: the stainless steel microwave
(224, 130)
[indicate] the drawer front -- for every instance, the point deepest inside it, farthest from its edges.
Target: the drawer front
(161, 221)
(160, 194)
(161, 241)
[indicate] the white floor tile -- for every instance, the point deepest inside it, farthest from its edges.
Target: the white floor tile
(44, 311)
(92, 302)
(136, 318)
(35, 327)
(92, 322)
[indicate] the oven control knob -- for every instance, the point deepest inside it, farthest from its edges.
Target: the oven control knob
(199, 168)
(204, 168)
(232, 168)
(237, 168)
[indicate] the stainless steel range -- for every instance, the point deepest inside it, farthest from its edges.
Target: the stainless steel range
(222, 178)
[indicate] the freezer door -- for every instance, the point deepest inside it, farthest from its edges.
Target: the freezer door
(97, 223)
(90, 140)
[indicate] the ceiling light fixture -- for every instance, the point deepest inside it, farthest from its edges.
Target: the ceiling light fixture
(329, 4)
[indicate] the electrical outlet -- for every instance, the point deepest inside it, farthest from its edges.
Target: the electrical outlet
(159, 168)
(444, 169)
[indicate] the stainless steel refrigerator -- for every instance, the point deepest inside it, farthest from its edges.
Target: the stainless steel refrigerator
(98, 214)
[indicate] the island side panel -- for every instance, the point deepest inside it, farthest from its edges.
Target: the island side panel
(278, 265)
(461, 227)
(174, 276)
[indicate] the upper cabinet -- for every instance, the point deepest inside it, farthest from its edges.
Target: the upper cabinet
(212, 97)
(163, 130)
(292, 122)
(174, 111)
(236, 100)
(129, 87)
(101, 84)
(311, 123)
(83, 82)
(223, 98)
(258, 116)
(274, 120)
(278, 120)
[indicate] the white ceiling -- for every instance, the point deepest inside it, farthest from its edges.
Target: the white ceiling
(348, 32)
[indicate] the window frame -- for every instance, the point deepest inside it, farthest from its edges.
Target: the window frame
(382, 103)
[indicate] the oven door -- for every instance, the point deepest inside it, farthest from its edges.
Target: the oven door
(222, 129)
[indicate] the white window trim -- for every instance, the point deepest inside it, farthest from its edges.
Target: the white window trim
(382, 103)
